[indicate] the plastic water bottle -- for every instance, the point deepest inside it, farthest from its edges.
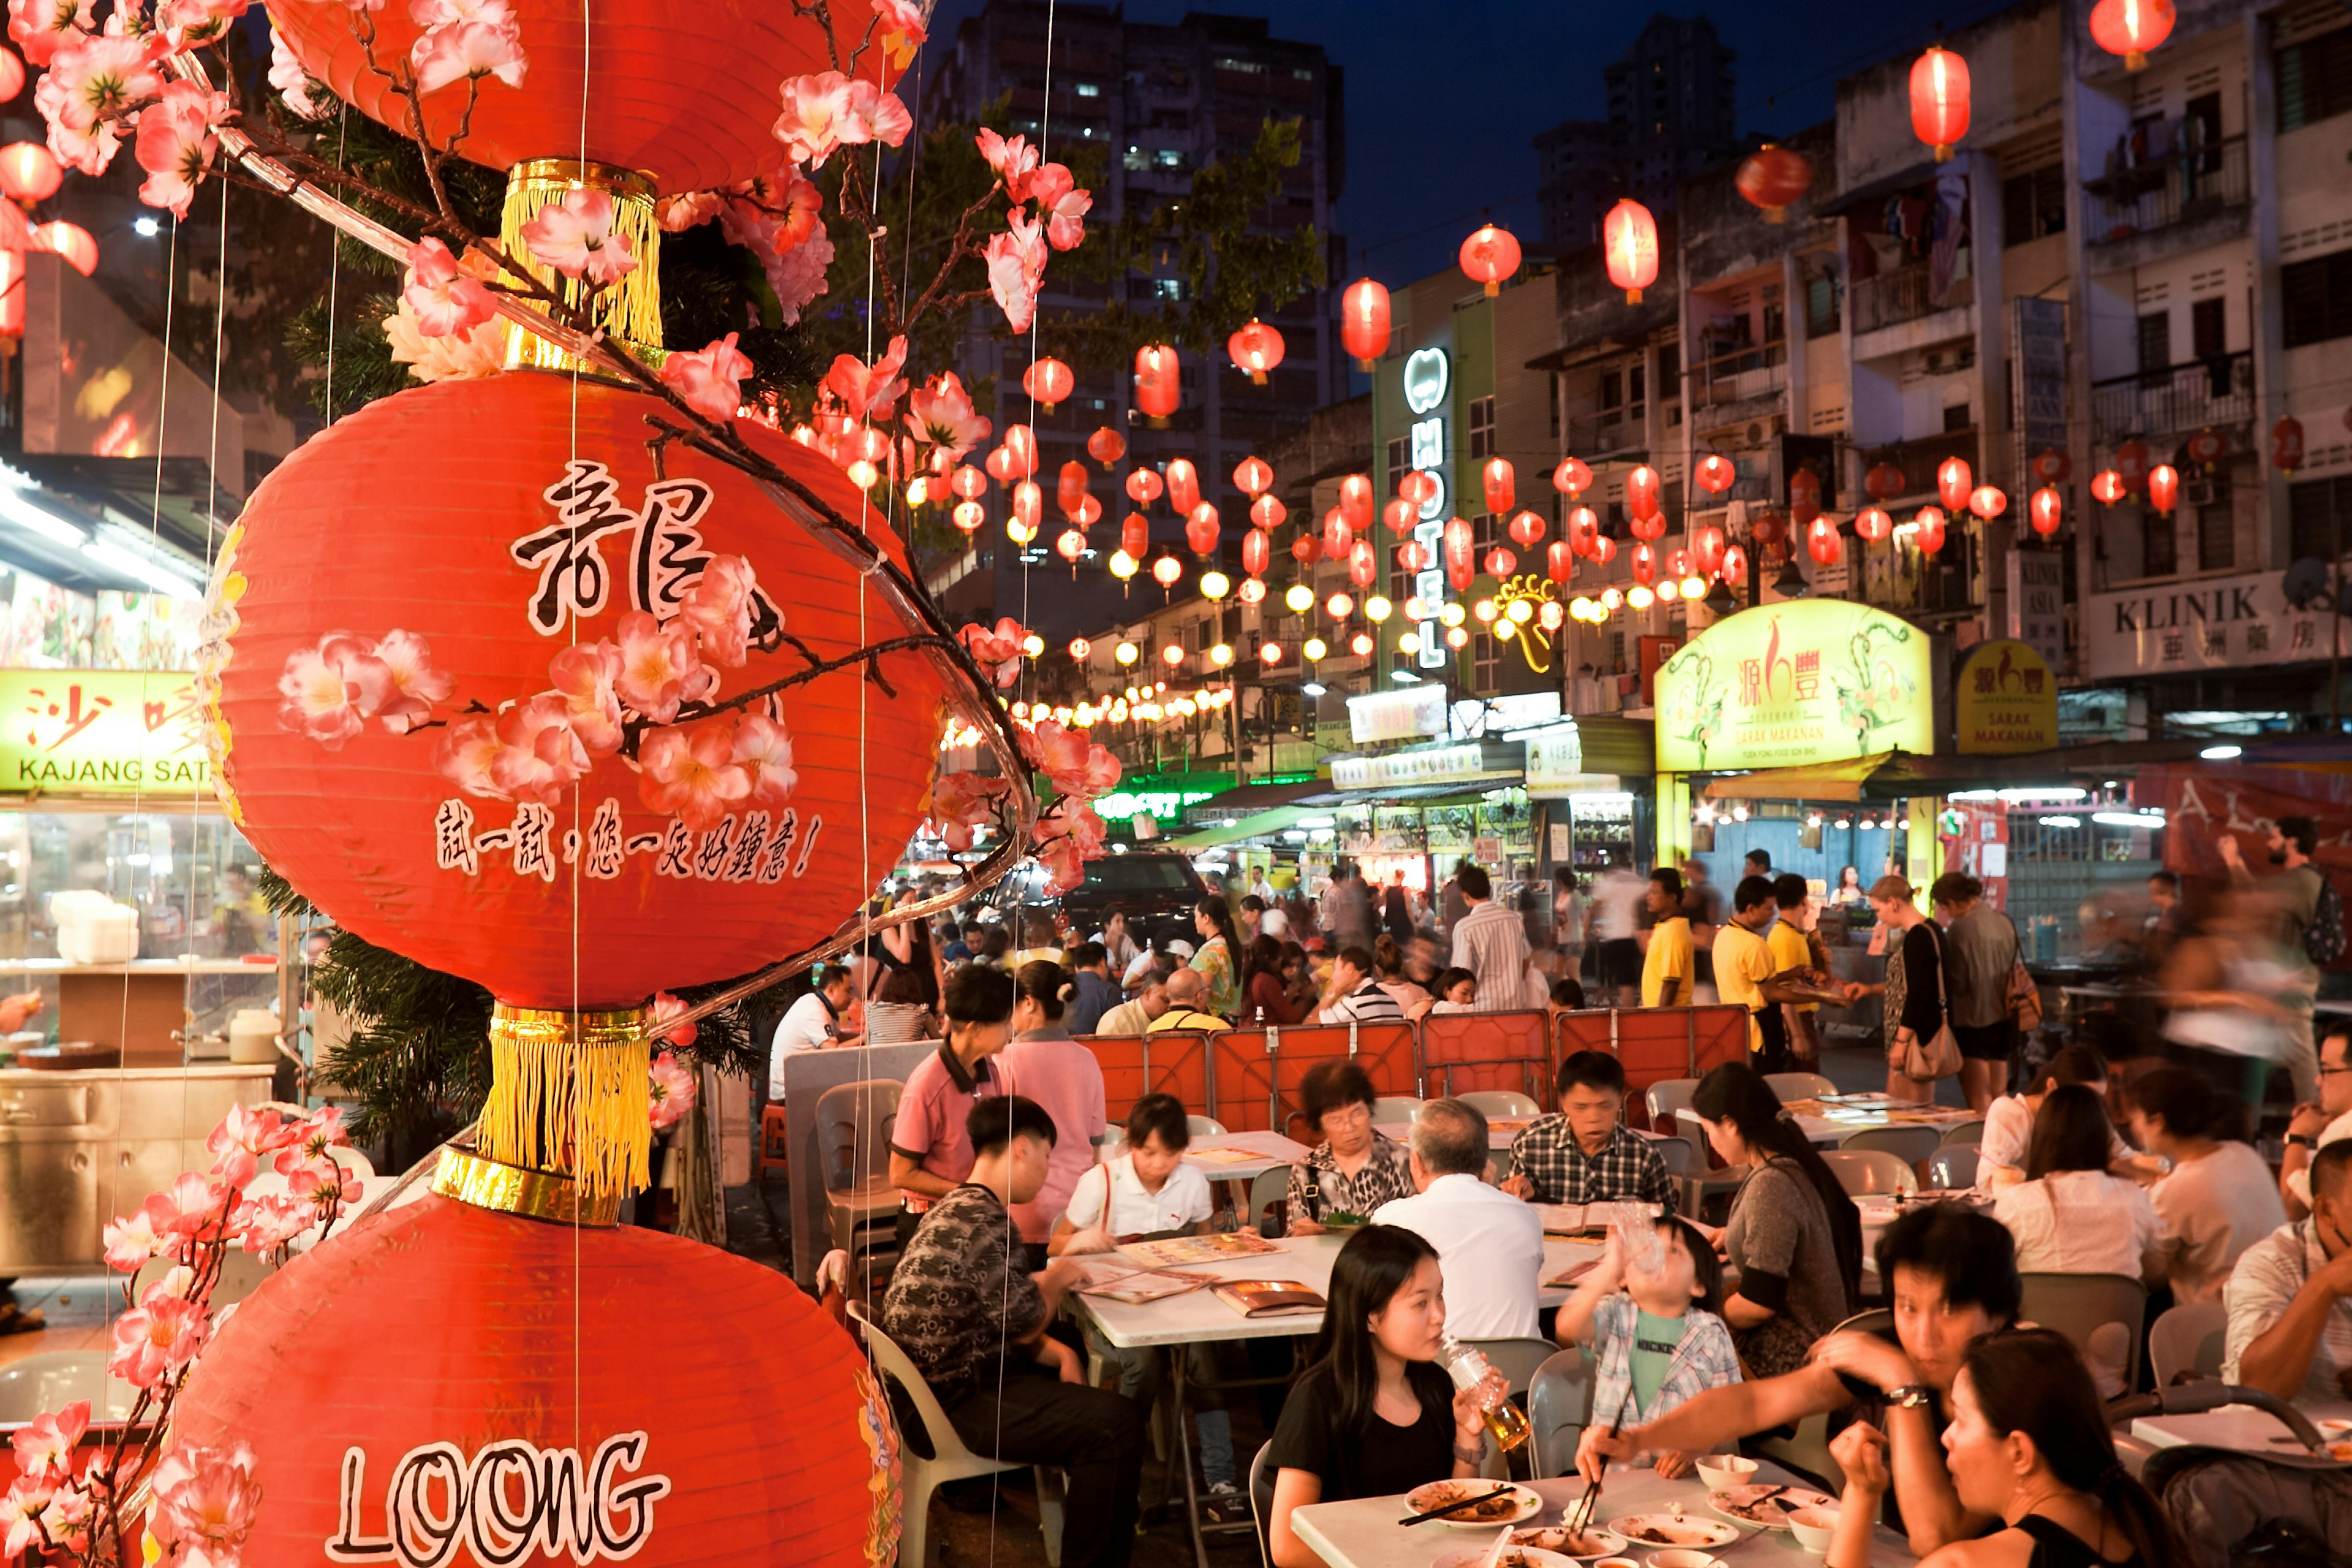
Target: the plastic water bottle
(1469, 1368)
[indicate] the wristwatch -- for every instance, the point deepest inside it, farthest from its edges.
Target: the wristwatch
(1910, 1396)
(2301, 1139)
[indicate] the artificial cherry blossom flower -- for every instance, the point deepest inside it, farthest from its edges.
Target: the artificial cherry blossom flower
(38, 27)
(440, 296)
(1062, 204)
(1065, 868)
(177, 1281)
(156, 1339)
(324, 1185)
(292, 82)
(691, 774)
(130, 1240)
(45, 1445)
(66, 1520)
(21, 1509)
(1014, 160)
(1074, 818)
(689, 209)
(1069, 758)
(461, 356)
(539, 756)
(941, 415)
(417, 686)
(192, 1208)
(660, 667)
(961, 802)
(468, 754)
(826, 111)
(332, 689)
(185, 24)
(584, 677)
(1016, 271)
(797, 276)
(89, 152)
(450, 12)
(865, 392)
(670, 1095)
(97, 76)
(718, 607)
(575, 236)
(997, 652)
(710, 379)
(268, 1224)
(463, 51)
(244, 1135)
(668, 1006)
(766, 752)
(310, 1138)
(176, 143)
(205, 1503)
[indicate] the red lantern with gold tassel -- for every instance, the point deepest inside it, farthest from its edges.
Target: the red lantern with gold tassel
(1363, 563)
(1583, 529)
(1988, 501)
(1336, 534)
(1400, 515)
(2131, 28)
(1106, 445)
(1201, 528)
(2287, 445)
(1049, 381)
(1256, 554)
(1772, 179)
(1135, 535)
(1304, 549)
(1884, 482)
(2046, 509)
(2132, 459)
(1572, 478)
(1183, 484)
(1707, 549)
(1256, 349)
(1804, 497)
(1159, 384)
(1267, 511)
(1643, 562)
(1628, 241)
(1143, 486)
(1873, 526)
(2163, 487)
(1603, 550)
(2051, 467)
(1559, 560)
(2107, 487)
(1527, 529)
(1714, 473)
(1641, 491)
(1939, 100)
(1489, 255)
(1822, 541)
(1953, 483)
(1500, 485)
(1364, 321)
(1927, 530)
(1253, 475)
(1356, 500)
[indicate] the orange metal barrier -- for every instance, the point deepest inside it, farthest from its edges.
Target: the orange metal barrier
(1656, 1043)
(1463, 1051)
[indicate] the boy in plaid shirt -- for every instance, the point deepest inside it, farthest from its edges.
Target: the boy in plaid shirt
(1582, 1153)
(1657, 1332)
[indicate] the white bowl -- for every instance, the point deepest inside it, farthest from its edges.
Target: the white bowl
(1723, 1471)
(1812, 1527)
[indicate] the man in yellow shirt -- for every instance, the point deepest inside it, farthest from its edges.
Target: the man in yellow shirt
(1795, 947)
(1671, 965)
(1747, 972)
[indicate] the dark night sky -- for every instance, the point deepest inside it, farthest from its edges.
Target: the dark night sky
(1442, 100)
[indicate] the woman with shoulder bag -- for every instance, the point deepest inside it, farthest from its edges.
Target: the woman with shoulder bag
(1919, 1044)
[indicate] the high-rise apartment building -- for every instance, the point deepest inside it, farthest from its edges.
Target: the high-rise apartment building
(1670, 117)
(1165, 101)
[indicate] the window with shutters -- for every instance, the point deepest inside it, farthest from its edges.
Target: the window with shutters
(2155, 342)
(1821, 313)
(2033, 204)
(1482, 428)
(2208, 329)
(2159, 546)
(2319, 517)
(2315, 298)
(2314, 79)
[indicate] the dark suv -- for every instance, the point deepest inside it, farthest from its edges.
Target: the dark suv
(1157, 887)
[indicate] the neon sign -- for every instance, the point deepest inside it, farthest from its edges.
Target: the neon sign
(1427, 377)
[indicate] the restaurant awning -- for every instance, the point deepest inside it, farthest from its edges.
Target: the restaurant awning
(1883, 775)
(1251, 827)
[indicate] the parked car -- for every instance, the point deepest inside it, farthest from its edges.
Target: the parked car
(1157, 887)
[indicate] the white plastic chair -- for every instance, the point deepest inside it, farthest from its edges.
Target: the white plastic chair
(951, 1460)
(1668, 1097)
(1517, 1359)
(1261, 1493)
(2188, 1340)
(1862, 1172)
(1964, 1132)
(1560, 1406)
(1910, 1144)
(1952, 1167)
(1267, 1188)
(2101, 1313)
(1789, 1086)
(1393, 1108)
(1494, 1102)
(1204, 1126)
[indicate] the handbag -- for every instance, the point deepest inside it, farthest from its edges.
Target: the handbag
(2025, 998)
(1925, 1061)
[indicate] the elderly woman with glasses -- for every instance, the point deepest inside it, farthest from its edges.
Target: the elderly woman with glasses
(1354, 1170)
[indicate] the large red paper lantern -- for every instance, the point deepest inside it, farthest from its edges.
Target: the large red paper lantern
(1158, 381)
(1028, 504)
(1651, 527)
(1363, 563)
(1716, 473)
(2046, 509)
(1642, 490)
(684, 93)
(1643, 561)
(2163, 487)
(2287, 445)
(1884, 482)
(2051, 467)
(1571, 477)
(1418, 488)
(1364, 321)
(1603, 550)
(1135, 535)
(69, 240)
(1707, 549)
(1461, 568)
(1873, 525)
(1953, 483)
(1527, 529)
(1143, 486)
(1256, 349)
(1988, 501)
(1305, 550)
(2207, 448)
(1336, 534)
(1559, 560)
(1400, 515)
(30, 172)
(1501, 563)
(1628, 242)
(1049, 381)
(1804, 497)
(1939, 100)
(1583, 529)
(1202, 529)
(1106, 445)
(529, 1369)
(1734, 570)
(1183, 484)
(1070, 544)
(1070, 485)
(2131, 28)
(1822, 542)
(1489, 255)
(1500, 485)
(1773, 178)
(1256, 551)
(2107, 487)
(2132, 459)
(1021, 451)
(429, 513)
(1253, 475)
(1267, 511)
(1356, 500)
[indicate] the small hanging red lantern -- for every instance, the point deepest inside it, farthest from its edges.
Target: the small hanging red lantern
(1267, 511)
(2207, 448)
(1252, 475)
(1069, 544)
(1939, 100)
(1884, 482)
(1460, 545)
(1106, 445)
(1069, 485)
(2046, 509)
(1822, 542)
(1255, 551)
(1412, 556)
(1583, 529)
(1927, 530)
(1652, 527)
(1418, 488)
(1527, 529)
(29, 173)
(1363, 563)
(1501, 561)
(1021, 451)
(1603, 550)
(1629, 240)
(2163, 487)
(1135, 535)
(1873, 525)
(1158, 382)
(1086, 512)
(1768, 528)
(1641, 491)
(1953, 482)
(1256, 348)
(1364, 321)
(1489, 255)
(2132, 459)
(2287, 445)
(1988, 501)
(1773, 178)
(1400, 515)
(1804, 497)
(1028, 504)
(1559, 560)
(1336, 534)
(1303, 548)
(1643, 561)
(1707, 549)
(1143, 486)
(2131, 28)
(2051, 467)
(968, 483)
(1166, 571)
(969, 515)
(1716, 473)
(2107, 487)
(1201, 528)
(1356, 500)
(1734, 570)
(1500, 484)
(1048, 380)
(1183, 484)
(1572, 478)
(1251, 590)
(69, 240)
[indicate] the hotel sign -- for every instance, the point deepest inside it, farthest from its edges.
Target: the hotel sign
(2205, 623)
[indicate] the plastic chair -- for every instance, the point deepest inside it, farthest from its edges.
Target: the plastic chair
(951, 1460)
(1967, 1133)
(1267, 1189)
(1517, 1359)
(2087, 1307)
(775, 1142)
(1677, 1153)
(1114, 1142)
(853, 1135)
(1494, 1103)
(1910, 1144)
(1864, 1171)
(1666, 1098)
(1560, 1406)
(2187, 1342)
(1396, 1107)
(1952, 1167)
(1789, 1086)
(1261, 1493)
(1204, 1126)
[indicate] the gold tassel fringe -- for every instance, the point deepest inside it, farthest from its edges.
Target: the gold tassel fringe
(569, 1094)
(632, 308)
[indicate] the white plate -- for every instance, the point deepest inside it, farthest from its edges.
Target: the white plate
(1697, 1534)
(1513, 1557)
(1774, 1517)
(1604, 1544)
(1437, 1494)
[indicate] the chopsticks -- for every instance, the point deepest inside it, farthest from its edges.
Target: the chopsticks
(1581, 1510)
(1500, 1491)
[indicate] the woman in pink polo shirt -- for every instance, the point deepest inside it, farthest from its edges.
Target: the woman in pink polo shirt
(1045, 1064)
(930, 1153)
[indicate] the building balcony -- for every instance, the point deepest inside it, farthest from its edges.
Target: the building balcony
(2181, 192)
(1918, 460)
(1738, 375)
(2175, 400)
(1903, 295)
(1610, 432)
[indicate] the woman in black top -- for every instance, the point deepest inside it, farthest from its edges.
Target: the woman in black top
(2028, 1442)
(1914, 986)
(1374, 1415)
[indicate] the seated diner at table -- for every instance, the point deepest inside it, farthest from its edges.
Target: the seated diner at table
(1352, 996)
(1951, 1275)
(1583, 1152)
(1354, 1170)
(929, 1153)
(2290, 1298)
(1655, 1328)
(1045, 1064)
(1490, 1244)
(1794, 1233)
(1265, 998)
(2029, 1447)
(1373, 1415)
(2218, 1199)
(1187, 1007)
(2009, 1120)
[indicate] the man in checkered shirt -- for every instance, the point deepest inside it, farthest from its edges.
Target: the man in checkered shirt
(1582, 1153)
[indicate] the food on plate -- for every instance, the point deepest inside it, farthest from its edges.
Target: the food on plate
(1768, 1506)
(1512, 1557)
(1557, 1538)
(1674, 1530)
(1516, 1503)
